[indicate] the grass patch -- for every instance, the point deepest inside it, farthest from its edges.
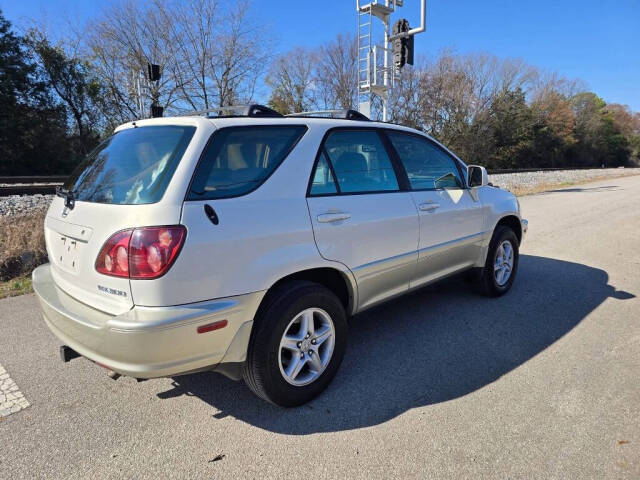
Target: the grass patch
(15, 287)
(22, 248)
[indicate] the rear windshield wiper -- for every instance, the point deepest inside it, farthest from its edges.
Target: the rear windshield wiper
(68, 195)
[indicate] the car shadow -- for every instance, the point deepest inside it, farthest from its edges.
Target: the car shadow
(433, 345)
(605, 188)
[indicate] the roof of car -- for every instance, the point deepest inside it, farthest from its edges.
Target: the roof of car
(233, 121)
(238, 121)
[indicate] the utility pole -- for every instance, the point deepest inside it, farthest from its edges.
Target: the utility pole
(375, 78)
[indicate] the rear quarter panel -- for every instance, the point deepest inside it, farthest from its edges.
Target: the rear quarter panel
(261, 237)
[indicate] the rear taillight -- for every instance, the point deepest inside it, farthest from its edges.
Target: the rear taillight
(153, 250)
(110, 260)
(141, 253)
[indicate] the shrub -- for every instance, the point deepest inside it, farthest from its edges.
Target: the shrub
(23, 247)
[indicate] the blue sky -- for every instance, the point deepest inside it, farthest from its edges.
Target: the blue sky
(578, 39)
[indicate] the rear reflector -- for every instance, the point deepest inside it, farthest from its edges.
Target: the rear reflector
(210, 327)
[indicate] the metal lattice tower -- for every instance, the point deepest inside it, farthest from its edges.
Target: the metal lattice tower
(364, 59)
(376, 73)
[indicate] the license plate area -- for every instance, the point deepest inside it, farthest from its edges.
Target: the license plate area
(67, 252)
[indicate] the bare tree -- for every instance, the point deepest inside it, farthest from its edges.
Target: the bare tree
(404, 102)
(337, 73)
(194, 24)
(447, 98)
(209, 56)
(551, 82)
(241, 58)
(292, 81)
(219, 51)
(514, 74)
(130, 36)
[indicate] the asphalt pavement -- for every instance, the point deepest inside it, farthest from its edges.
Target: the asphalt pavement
(442, 383)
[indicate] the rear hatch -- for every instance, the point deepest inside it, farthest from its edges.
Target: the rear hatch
(118, 186)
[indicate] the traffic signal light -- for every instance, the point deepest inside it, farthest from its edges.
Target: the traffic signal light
(403, 46)
(156, 110)
(154, 72)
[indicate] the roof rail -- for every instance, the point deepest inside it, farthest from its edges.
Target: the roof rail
(253, 110)
(345, 114)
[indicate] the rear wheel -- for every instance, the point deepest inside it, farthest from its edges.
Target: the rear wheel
(501, 265)
(297, 344)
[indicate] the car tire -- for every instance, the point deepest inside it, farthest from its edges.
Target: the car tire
(280, 321)
(501, 265)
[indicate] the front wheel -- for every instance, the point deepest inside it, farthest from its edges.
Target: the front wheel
(502, 262)
(297, 344)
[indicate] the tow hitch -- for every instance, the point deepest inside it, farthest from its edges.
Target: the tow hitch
(67, 354)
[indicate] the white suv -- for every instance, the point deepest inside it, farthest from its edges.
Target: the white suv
(242, 244)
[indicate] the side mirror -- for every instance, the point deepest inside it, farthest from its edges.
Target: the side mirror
(477, 176)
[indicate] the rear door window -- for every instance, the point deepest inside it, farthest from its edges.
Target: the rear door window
(360, 162)
(132, 167)
(323, 182)
(238, 160)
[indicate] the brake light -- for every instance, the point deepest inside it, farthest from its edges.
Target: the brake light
(141, 253)
(153, 250)
(108, 261)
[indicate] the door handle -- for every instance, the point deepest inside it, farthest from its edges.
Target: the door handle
(429, 207)
(333, 217)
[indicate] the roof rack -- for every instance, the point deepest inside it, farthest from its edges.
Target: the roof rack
(253, 110)
(345, 114)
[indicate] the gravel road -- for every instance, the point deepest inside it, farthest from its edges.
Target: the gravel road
(526, 182)
(443, 383)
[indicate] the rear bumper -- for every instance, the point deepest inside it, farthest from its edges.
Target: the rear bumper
(148, 342)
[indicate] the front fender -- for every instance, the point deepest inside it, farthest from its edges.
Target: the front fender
(498, 204)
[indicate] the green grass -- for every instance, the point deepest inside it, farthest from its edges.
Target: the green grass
(15, 287)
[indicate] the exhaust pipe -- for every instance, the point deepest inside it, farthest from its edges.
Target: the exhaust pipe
(67, 354)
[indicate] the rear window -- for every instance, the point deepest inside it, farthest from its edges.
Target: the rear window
(238, 160)
(132, 167)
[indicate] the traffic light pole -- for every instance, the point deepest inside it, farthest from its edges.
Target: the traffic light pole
(420, 29)
(369, 82)
(385, 75)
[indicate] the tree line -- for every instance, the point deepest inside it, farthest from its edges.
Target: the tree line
(60, 96)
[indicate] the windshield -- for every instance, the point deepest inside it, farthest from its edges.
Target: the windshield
(132, 167)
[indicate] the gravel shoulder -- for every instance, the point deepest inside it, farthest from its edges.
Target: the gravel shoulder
(528, 183)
